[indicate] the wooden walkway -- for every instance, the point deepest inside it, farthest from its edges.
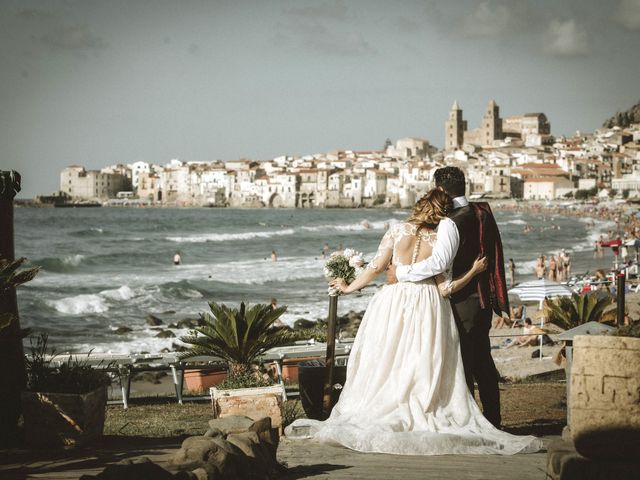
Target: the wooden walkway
(306, 460)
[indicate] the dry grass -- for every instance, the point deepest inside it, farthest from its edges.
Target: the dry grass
(526, 408)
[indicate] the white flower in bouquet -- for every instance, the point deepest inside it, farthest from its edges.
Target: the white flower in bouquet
(347, 265)
(356, 261)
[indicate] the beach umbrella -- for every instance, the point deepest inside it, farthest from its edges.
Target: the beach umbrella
(538, 290)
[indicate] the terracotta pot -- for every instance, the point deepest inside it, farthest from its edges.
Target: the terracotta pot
(63, 419)
(255, 403)
(202, 380)
(605, 396)
(290, 368)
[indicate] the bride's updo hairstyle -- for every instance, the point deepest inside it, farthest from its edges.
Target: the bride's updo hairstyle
(431, 208)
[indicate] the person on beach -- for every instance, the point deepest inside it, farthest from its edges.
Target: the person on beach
(177, 259)
(553, 269)
(512, 272)
(325, 250)
(274, 256)
(565, 258)
(541, 267)
(406, 391)
(529, 337)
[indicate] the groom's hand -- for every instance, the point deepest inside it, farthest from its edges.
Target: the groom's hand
(391, 275)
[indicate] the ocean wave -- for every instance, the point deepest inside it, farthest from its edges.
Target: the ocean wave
(80, 304)
(88, 232)
(354, 227)
(516, 221)
(60, 264)
(224, 237)
(91, 302)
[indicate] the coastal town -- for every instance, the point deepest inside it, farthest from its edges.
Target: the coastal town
(505, 157)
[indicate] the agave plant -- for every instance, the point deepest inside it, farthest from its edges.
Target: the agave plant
(238, 336)
(10, 277)
(569, 312)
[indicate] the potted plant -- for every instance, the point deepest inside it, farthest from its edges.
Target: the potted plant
(64, 404)
(604, 399)
(239, 336)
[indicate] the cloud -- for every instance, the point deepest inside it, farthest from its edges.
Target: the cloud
(336, 10)
(566, 38)
(627, 14)
(340, 43)
(487, 20)
(34, 15)
(76, 38)
(315, 36)
(193, 48)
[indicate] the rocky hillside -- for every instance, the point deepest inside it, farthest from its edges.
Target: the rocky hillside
(624, 119)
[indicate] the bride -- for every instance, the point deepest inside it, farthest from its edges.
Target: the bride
(406, 391)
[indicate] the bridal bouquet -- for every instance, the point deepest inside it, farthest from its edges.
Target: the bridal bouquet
(347, 264)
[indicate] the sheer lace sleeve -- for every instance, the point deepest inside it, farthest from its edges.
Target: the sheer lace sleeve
(383, 256)
(445, 283)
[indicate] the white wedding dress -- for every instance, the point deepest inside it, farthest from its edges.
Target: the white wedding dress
(406, 392)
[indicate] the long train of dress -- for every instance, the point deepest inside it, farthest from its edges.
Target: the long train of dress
(406, 392)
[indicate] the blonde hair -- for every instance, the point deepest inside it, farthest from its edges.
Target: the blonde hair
(431, 208)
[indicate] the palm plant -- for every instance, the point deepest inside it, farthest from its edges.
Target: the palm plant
(569, 312)
(238, 336)
(10, 278)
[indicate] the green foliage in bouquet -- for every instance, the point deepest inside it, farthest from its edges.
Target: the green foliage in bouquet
(72, 376)
(338, 267)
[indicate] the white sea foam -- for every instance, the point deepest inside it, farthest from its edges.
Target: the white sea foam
(91, 303)
(119, 294)
(516, 221)
(353, 227)
(224, 237)
(73, 260)
(80, 304)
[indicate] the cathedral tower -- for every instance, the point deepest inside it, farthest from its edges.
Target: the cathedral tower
(491, 124)
(454, 128)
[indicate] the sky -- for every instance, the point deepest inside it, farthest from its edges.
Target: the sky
(97, 83)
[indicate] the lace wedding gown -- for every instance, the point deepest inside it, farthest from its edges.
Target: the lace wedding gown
(406, 392)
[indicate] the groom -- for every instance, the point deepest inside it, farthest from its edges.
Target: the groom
(473, 232)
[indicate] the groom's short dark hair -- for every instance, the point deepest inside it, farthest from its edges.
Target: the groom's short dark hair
(451, 179)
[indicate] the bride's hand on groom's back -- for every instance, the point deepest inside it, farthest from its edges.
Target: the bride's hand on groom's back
(480, 265)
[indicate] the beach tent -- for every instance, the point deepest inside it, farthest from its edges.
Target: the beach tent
(538, 290)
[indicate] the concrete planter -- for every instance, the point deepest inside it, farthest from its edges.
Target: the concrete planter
(255, 403)
(605, 396)
(63, 419)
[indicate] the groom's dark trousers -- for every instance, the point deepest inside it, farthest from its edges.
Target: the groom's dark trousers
(472, 320)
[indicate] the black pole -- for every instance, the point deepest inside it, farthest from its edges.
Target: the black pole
(12, 368)
(332, 320)
(620, 289)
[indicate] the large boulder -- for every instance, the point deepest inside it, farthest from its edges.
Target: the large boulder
(231, 424)
(605, 396)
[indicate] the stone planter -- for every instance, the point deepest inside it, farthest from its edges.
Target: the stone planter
(605, 396)
(201, 380)
(255, 403)
(63, 419)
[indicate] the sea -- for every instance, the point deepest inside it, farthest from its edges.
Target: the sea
(105, 268)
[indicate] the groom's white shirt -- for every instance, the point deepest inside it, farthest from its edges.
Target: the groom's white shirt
(444, 251)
